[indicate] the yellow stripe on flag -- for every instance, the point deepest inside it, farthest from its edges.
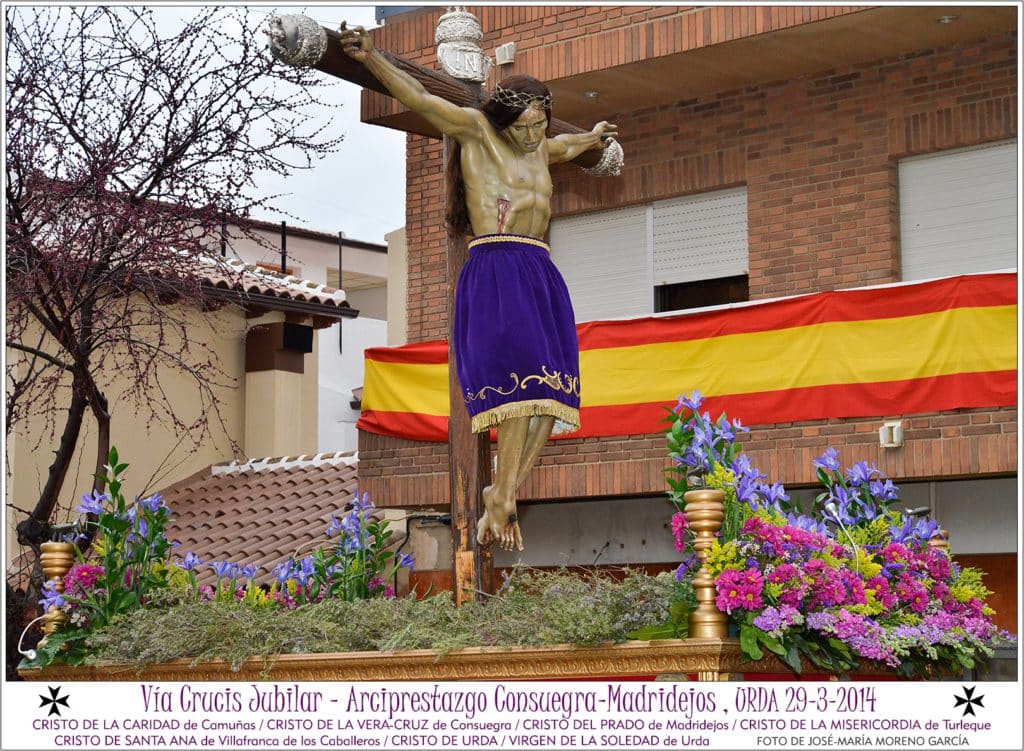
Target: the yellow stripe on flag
(961, 340)
(398, 387)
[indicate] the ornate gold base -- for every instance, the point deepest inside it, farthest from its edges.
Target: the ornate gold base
(703, 657)
(708, 659)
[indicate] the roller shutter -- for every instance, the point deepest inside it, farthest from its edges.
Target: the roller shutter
(958, 211)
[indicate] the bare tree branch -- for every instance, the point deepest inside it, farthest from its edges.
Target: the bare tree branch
(127, 144)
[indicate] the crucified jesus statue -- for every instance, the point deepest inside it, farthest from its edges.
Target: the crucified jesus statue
(514, 342)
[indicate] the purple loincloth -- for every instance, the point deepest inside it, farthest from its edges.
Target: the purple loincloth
(514, 340)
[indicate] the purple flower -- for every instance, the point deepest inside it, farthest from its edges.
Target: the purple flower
(820, 621)
(746, 491)
(860, 474)
(883, 491)
(224, 569)
(304, 571)
(723, 430)
(152, 503)
(250, 570)
(807, 523)
(775, 620)
(337, 525)
(360, 503)
(283, 571)
(691, 402)
(191, 561)
(690, 562)
(829, 460)
(51, 597)
(838, 503)
(404, 560)
(92, 503)
(773, 493)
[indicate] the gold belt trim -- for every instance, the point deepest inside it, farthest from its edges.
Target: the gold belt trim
(488, 239)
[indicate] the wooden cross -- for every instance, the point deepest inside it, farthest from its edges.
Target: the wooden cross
(469, 453)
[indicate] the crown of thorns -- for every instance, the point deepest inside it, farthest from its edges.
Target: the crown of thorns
(520, 99)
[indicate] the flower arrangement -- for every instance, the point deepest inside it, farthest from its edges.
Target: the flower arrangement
(129, 568)
(853, 580)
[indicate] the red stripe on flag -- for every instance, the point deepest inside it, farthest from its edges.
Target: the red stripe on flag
(411, 425)
(981, 290)
(961, 390)
(422, 353)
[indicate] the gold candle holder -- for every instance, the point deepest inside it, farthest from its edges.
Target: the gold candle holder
(56, 559)
(704, 510)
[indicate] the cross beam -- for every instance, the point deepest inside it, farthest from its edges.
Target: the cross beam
(330, 59)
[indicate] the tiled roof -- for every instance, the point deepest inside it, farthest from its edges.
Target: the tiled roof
(263, 511)
(232, 274)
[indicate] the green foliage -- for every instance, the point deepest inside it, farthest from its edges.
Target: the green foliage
(131, 547)
(533, 608)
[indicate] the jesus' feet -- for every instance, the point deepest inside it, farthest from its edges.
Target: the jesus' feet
(499, 522)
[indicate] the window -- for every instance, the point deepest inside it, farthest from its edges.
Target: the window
(700, 294)
(958, 211)
(675, 254)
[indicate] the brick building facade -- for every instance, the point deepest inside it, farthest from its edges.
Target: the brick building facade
(811, 109)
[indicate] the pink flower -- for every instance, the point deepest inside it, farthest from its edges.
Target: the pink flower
(679, 527)
(80, 578)
(895, 553)
(913, 593)
(739, 589)
(880, 585)
(937, 565)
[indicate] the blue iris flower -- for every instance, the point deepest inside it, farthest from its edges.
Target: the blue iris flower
(806, 523)
(829, 460)
(883, 491)
(746, 491)
(51, 597)
(92, 503)
(860, 473)
(773, 493)
(191, 561)
(691, 402)
(283, 571)
(723, 429)
(224, 569)
(304, 570)
(250, 570)
(404, 560)
(842, 500)
(152, 503)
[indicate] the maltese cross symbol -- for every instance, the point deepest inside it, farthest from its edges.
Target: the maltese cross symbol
(968, 701)
(53, 700)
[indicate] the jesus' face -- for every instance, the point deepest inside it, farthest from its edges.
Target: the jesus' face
(526, 133)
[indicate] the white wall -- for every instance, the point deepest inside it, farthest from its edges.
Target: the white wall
(339, 374)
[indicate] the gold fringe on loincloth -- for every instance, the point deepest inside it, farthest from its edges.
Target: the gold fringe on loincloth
(567, 419)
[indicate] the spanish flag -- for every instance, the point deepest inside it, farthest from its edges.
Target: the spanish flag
(879, 351)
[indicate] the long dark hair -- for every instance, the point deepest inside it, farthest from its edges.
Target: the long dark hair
(500, 116)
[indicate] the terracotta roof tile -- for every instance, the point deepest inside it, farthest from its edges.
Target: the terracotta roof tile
(230, 273)
(263, 511)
